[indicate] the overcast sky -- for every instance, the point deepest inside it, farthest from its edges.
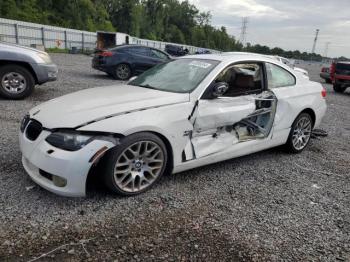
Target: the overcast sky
(290, 24)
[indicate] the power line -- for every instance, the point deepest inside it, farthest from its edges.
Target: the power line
(244, 27)
(315, 41)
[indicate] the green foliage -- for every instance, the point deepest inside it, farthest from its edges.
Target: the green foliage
(90, 15)
(164, 20)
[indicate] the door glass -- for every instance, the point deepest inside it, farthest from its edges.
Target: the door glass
(242, 79)
(278, 77)
(140, 51)
(157, 54)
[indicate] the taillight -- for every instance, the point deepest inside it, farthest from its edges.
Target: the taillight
(324, 93)
(106, 53)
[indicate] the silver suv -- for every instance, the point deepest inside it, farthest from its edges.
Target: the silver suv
(21, 68)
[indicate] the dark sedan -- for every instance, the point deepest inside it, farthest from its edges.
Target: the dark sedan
(124, 61)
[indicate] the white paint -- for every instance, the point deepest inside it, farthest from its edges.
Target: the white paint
(131, 109)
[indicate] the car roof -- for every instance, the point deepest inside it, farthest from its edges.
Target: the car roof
(343, 62)
(134, 45)
(234, 56)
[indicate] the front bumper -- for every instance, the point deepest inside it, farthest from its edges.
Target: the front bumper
(73, 167)
(45, 72)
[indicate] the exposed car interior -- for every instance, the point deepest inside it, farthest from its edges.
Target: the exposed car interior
(242, 79)
(244, 112)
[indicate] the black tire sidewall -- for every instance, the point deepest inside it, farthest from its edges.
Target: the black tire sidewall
(116, 75)
(114, 153)
(339, 89)
(25, 73)
(289, 145)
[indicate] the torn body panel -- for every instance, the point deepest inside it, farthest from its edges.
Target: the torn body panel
(222, 123)
(222, 112)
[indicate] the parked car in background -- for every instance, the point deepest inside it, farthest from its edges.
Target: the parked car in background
(325, 74)
(176, 50)
(125, 61)
(289, 63)
(202, 51)
(21, 68)
(189, 112)
(340, 75)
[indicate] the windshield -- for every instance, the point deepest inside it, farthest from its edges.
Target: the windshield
(179, 76)
(341, 66)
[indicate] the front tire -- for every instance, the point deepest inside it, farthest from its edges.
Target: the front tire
(16, 82)
(122, 72)
(300, 133)
(136, 164)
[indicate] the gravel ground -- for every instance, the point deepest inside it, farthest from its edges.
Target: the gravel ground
(269, 206)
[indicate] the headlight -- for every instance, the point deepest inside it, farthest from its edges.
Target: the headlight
(45, 57)
(68, 140)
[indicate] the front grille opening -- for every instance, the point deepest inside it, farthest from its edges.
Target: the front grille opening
(33, 130)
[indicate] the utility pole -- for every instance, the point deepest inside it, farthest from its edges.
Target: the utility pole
(315, 41)
(326, 49)
(244, 27)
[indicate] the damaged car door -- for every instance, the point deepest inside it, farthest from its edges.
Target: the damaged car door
(244, 111)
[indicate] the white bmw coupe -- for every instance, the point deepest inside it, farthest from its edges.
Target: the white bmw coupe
(183, 114)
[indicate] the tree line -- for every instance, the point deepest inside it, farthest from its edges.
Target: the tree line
(163, 20)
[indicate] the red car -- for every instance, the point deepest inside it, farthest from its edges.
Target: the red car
(340, 75)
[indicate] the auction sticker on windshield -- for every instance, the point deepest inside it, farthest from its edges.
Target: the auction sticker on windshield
(200, 64)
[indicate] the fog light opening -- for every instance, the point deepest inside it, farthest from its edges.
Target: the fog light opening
(59, 181)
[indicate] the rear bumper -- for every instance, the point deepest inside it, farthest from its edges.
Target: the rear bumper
(342, 82)
(320, 113)
(73, 167)
(99, 64)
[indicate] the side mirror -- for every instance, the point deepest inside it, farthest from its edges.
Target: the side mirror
(132, 79)
(218, 89)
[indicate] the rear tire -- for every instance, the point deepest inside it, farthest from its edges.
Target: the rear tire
(16, 82)
(122, 72)
(136, 164)
(300, 133)
(338, 88)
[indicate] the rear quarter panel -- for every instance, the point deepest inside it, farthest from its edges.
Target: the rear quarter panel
(293, 100)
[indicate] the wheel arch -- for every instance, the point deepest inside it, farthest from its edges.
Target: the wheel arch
(93, 173)
(19, 63)
(311, 112)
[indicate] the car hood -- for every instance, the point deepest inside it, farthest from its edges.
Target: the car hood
(94, 104)
(18, 48)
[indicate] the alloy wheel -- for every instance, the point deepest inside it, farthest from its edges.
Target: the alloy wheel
(14, 82)
(123, 71)
(138, 166)
(302, 133)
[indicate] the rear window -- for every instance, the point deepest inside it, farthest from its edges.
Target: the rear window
(343, 66)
